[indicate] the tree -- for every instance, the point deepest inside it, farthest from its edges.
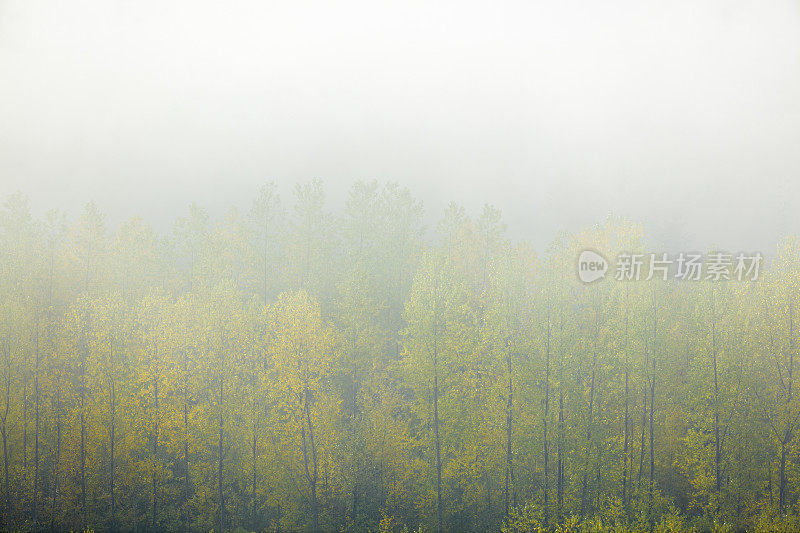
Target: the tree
(301, 347)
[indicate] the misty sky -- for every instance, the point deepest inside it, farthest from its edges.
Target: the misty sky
(684, 115)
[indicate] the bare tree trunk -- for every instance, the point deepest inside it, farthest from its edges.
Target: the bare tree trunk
(314, 502)
(545, 419)
(439, 510)
(220, 493)
(36, 433)
(83, 438)
(24, 372)
(560, 467)
(253, 494)
(782, 479)
(625, 454)
(788, 433)
(155, 453)
(769, 483)
(84, 356)
(312, 474)
(56, 401)
(254, 392)
(57, 467)
(644, 425)
(3, 428)
(185, 503)
(509, 433)
(598, 481)
(717, 453)
(113, 401)
(652, 409)
(589, 421)
(652, 456)
(439, 514)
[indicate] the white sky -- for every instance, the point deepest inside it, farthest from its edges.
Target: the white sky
(684, 115)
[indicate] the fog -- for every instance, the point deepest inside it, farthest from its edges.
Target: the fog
(682, 115)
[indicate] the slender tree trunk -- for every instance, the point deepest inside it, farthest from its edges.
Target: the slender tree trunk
(56, 401)
(782, 479)
(652, 409)
(185, 503)
(717, 453)
(356, 459)
(314, 502)
(509, 432)
(57, 466)
(3, 428)
(560, 466)
(155, 454)
(311, 473)
(113, 402)
(439, 510)
(589, 421)
(83, 439)
(644, 424)
(254, 390)
(220, 493)
(598, 481)
(625, 453)
(439, 514)
(544, 421)
(652, 456)
(36, 433)
(788, 433)
(25, 418)
(84, 356)
(253, 494)
(769, 484)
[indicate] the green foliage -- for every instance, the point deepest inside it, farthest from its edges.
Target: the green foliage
(296, 369)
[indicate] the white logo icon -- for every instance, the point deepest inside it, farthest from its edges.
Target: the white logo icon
(591, 266)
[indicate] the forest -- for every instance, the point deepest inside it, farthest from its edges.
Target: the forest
(290, 368)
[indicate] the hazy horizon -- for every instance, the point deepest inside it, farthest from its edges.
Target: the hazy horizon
(681, 116)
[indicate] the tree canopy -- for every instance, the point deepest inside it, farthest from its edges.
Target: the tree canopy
(290, 368)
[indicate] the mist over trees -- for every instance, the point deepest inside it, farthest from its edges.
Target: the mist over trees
(289, 368)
